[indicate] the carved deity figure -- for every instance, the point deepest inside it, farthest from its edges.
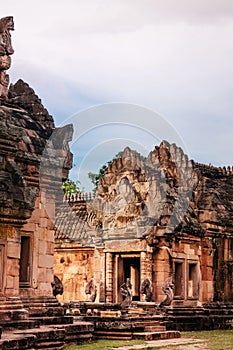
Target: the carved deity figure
(126, 292)
(6, 25)
(146, 288)
(92, 290)
(167, 289)
(57, 286)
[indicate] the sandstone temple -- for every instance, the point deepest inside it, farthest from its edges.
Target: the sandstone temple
(150, 252)
(166, 216)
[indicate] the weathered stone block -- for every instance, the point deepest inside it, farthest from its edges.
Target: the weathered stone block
(13, 250)
(46, 261)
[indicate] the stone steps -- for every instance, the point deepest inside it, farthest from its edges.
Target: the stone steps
(13, 314)
(124, 335)
(132, 327)
(42, 306)
(156, 335)
(52, 337)
(16, 341)
(46, 338)
(113, 335)
(209, 316)
(48, 320)
(157, 328)
(19, 324)
(12, 309)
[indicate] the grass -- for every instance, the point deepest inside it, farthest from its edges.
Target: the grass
(104, 344)
(215, 340)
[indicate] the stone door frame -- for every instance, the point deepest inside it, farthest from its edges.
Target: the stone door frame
(3, 259)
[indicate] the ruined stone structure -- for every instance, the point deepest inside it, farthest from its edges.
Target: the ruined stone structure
(27, 202)
(158, 229)
(6, 25)
(163, 218)
(34, 158)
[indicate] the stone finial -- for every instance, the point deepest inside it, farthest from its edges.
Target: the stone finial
(6, 25)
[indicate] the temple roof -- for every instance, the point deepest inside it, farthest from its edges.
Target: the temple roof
(166, 194)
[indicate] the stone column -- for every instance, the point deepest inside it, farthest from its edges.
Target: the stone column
(146, 265)
(143, 266)
(109, 277)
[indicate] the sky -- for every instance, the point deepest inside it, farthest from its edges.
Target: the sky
(174, 58)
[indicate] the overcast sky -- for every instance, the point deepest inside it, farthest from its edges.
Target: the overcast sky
(173, 57)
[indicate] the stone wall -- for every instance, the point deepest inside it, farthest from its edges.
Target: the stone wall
(27, 193)
(74, 265)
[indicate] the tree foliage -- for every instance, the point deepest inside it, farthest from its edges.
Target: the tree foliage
(95, 178)
(71, 187)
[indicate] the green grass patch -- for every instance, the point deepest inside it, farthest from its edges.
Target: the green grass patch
(104, 344)
(216, 340)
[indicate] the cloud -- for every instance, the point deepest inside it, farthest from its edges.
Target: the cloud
(172, 56)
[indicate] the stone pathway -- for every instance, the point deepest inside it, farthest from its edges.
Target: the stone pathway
(168, 344)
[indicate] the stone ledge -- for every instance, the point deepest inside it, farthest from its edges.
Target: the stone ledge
(47, 337)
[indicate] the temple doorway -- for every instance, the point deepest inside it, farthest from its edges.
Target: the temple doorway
(24, 263)
(126, 266)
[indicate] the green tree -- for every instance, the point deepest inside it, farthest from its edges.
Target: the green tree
(71, 187)
(95, 178)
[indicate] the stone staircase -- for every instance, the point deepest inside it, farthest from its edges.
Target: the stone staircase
(45, 326)
(209, 316)
(131, 327)
(52, 337)
(12, 309)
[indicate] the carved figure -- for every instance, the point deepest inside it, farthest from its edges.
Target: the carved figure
(146, 288)
(92, 290)
(126, 292)
(167, 288)
(57, 286)
(6, 25)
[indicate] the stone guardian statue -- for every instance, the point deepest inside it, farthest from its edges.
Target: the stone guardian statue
(91, 289)
(126, 292)
(167, 289)
(146, 288)
(6, 25)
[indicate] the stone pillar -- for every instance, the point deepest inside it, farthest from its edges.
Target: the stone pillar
(109, 277)
(146, 267)
(102, 277)
(162, 272)
(143, 266)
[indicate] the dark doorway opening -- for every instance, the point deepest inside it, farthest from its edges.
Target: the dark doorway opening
(179, 280)
(131, 268)
(24, 272)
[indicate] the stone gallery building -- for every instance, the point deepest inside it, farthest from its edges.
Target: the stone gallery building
(27, 198)
(151, 219)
